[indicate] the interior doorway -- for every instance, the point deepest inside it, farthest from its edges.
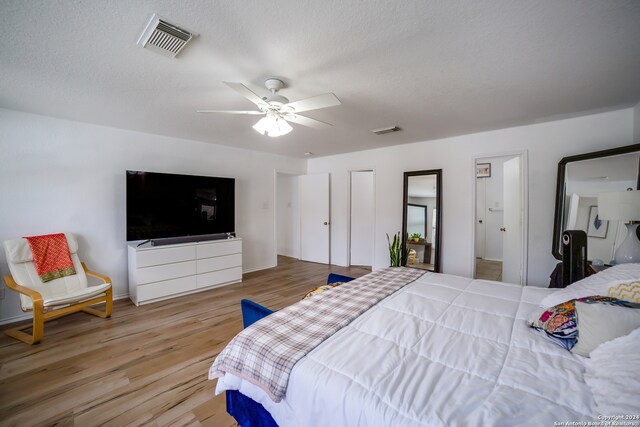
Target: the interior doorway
(500, 232)
(301, 217)
(287, 215)
(362, 218)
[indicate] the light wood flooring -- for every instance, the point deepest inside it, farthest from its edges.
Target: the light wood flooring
(488, 270)
(145, 365)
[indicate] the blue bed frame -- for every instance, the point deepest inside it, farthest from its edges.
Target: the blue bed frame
(246, 411)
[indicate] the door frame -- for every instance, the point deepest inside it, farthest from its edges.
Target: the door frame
(275, 211)
(373, 240)
(524, 164)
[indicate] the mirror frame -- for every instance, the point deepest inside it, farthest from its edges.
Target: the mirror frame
(560, 188)
(405, 199)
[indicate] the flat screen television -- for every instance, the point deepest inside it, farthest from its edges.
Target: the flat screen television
(162, 205)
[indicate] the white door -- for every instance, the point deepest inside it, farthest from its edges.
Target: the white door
(480, 216)
(362, 214)
(512, 223)
(314, 217)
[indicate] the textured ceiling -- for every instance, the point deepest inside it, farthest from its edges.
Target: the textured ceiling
(434, 68)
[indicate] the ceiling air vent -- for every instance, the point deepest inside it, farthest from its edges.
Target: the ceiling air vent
(382, 131)
(163, 37)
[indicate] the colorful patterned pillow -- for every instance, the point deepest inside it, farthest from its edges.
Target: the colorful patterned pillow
(559, 322)
(626, 291)
(321, 289)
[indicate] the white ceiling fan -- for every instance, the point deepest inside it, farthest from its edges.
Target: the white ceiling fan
(277, 109)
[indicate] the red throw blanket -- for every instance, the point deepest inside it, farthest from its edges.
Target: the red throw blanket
(51, 256)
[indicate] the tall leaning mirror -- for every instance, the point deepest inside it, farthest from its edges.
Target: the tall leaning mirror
(580, 179)
(422, 218)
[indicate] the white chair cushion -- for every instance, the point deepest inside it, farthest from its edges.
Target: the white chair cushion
(78, 296)
(23, 270)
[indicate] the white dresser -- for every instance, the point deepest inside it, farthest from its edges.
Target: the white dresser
(161, 272)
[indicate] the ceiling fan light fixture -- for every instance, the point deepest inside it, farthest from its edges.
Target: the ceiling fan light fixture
(262, 125)
(278, 110)
(272, 126)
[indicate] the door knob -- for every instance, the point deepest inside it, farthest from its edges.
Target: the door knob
(326, 223)
(480, 221)
(503, 229)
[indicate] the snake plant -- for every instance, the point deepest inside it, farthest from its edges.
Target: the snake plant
(397, 251)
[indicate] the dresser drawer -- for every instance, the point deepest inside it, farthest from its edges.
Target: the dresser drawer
(147, 258)
(165, 272)
(166, 287)
(218, 263)
(226, 247)
(218, 277)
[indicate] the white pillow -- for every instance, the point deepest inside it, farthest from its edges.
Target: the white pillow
(599, 323)
(597, 284)
(612, 375)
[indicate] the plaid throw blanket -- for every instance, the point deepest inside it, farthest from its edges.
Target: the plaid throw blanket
(51, 256)
(266, 351)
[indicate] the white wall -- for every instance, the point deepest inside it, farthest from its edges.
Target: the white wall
(636, 123)
(546, 144)
(362, 218)
(288, 215)
(58, 175)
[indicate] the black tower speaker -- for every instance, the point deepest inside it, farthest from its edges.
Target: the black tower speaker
(574, 256)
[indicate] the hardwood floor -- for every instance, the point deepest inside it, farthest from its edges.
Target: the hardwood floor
(488, 270)
(145, 365)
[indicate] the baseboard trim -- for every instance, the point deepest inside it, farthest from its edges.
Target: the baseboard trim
(251, 270)
(18, 318)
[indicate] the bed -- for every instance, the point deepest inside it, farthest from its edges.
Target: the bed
(440, 350)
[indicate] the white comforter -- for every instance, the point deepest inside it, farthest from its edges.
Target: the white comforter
(443, 351)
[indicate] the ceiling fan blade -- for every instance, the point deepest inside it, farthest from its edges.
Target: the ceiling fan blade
(247, 93)
(313, 103)
(230, 111)
(306, 121)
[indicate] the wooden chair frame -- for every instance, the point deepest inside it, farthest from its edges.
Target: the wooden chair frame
(42, 314)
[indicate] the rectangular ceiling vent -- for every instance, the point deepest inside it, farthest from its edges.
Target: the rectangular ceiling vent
(382, 131)
(164, 37)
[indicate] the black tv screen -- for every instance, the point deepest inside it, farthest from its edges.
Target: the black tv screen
(163, 205)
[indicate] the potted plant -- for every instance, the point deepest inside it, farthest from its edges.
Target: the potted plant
(416, 237)
(398, 252)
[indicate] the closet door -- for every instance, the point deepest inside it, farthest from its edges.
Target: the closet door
(314, 218)
(512, 220)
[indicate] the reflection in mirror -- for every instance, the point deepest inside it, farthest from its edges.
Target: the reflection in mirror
(500, 228)
(421, 218)
(580, 179)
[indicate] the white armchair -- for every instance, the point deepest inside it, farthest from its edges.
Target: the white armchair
(55, 298)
